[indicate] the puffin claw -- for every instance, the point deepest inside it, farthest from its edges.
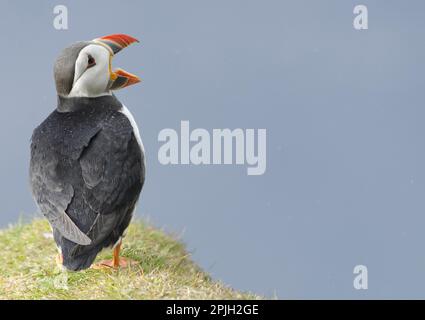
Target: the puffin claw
(110, 264)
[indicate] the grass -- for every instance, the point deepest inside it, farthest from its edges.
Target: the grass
(28, 269)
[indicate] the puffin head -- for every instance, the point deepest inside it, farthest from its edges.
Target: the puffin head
(84, 69)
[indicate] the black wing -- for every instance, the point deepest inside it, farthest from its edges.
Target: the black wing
(113, 171)
(51, 191)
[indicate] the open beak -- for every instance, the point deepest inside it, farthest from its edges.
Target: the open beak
(115, 43)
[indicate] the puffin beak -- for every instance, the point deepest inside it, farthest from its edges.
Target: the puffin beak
(115, 43)
(121, 79)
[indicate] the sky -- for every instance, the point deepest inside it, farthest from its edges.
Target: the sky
(343, 109)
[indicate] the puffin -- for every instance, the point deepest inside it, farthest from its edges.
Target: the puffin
(87, 165)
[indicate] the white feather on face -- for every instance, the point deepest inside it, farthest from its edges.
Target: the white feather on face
(92, 72)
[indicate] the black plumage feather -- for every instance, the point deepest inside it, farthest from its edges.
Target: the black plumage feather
(87, 166)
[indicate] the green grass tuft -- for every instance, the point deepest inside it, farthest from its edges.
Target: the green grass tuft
(28, 269)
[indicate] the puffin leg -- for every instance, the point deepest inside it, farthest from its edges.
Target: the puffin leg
(116, 261)
(116, 258)
(59, 259)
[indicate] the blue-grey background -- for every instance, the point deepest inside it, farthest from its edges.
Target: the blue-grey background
(344, 112)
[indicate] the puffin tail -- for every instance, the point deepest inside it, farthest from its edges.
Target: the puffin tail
(79, 262)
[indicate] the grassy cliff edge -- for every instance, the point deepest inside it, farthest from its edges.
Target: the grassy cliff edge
(28, 269)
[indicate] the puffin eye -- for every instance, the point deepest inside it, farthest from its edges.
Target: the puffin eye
(91, 62)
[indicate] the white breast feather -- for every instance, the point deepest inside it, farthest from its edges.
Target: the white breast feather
(133, 123)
